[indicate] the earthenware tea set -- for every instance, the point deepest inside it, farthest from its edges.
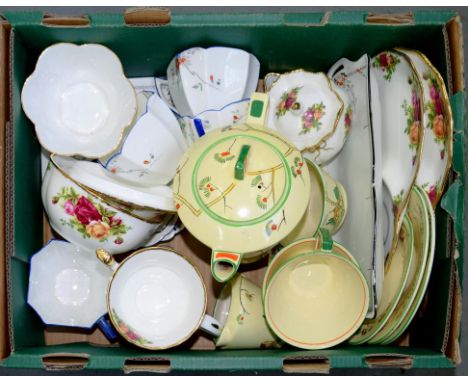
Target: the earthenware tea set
(332, 178)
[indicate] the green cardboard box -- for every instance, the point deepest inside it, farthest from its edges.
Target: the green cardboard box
(145, 40)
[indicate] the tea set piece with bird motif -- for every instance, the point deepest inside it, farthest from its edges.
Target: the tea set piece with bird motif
(305, 108)
(241, 190)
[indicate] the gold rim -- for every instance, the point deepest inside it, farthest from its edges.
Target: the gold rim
(405, 199)
(100, 197)
(196, 327)
(123, 130)
(448, 119)
(316, 147)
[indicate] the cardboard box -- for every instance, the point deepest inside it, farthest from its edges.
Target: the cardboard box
(145, 40)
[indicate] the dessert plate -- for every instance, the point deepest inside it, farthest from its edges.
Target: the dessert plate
(359, 161)
(436, 157)
(305, 108)
(400, 94)
(419, 217)
(397, 269)
(79, 100)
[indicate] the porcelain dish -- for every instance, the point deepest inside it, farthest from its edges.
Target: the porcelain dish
(436, 155)
(79, 100)
(397, 269)
(305, 108)
(67, 286)
(206, 79)
(400, 92)
(241, 190)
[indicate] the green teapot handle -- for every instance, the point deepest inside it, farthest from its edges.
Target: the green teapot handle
(258, 108)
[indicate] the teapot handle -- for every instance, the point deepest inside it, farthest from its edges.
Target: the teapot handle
(258, 108)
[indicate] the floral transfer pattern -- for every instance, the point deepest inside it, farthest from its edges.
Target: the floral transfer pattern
(91, 219)
(413, 117)
(296, 169)
(249, 296)
(127, 331)
(336, 215)
(274, 226)
(431, 191)
(347, 119)
(397, 199)
(311, 119)
(288, 102)
(387, 62)
(435, 112)
(226, 155)
(146, 165)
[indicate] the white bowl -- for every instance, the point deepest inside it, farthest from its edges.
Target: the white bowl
(229, 115)
(79, 100)
(67, 285)
(152, 149)
(88, 221)
(204, 79)
(305, 108)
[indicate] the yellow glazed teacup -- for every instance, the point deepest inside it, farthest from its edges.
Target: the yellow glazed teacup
(316, 299)
(327, 206)
(239, 310)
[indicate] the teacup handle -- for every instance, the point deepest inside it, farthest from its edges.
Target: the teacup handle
(337, 66)
(326, 241)
(211, 326)
(224, 265)
(258, 109)
(107, 328)
(107, 259)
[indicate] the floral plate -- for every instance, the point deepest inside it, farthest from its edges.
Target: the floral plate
(305, 108)
(400, 94)
(436, 156)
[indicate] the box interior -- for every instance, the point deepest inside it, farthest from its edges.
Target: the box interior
(281, 42)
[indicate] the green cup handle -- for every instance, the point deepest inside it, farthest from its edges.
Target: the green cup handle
(258, 108)
(325, 240)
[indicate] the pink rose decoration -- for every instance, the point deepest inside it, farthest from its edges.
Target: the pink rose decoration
(69, 207)
(85, 211)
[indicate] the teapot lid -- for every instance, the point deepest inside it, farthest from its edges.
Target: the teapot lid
(242, 188)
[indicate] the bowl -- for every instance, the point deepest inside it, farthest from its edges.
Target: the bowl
(88, 221)
(305, 108)
(79, 100)
(208, 79)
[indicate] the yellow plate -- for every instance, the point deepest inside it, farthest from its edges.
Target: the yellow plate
(397, 269)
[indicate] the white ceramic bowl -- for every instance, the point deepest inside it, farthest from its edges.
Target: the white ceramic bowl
(87, 221)
(305, 108)
(152, 149)
(229, 115)
(79, 100)
(205, 79)
(67, 285)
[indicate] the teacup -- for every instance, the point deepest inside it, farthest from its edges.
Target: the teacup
(67, 287)
(230, 115)
(150, 152)
(79, 99)
(327, 206)
(88, 221)
(157, 298)
(205, 79)
(316, 299)
(239, 310)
